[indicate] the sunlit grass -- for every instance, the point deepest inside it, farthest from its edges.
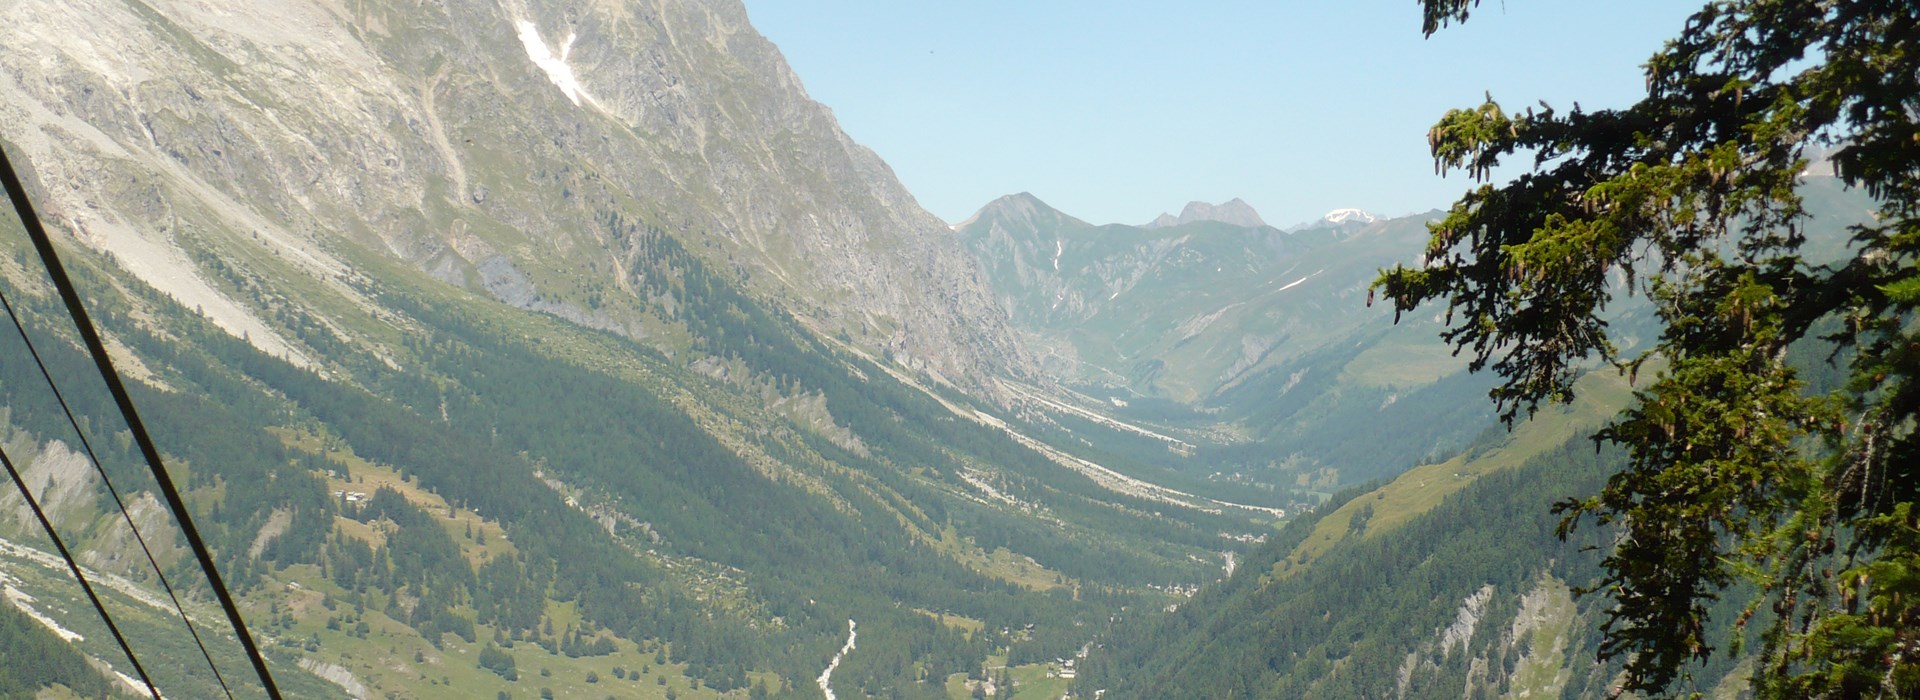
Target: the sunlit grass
(1600, 395)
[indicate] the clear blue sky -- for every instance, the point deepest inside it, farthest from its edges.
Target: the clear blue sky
(1117, 111)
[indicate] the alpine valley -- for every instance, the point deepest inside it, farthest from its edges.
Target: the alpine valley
(569, 349)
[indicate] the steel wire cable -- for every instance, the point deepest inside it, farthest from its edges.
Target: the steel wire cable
(115, 492)
(74, 567)
(70, 296)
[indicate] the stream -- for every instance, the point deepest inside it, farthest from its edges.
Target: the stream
(826, 677)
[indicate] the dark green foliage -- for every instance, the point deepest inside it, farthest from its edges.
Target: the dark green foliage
(1736, 471)
(704, 501)
(419, 556)
(35, 659)
(492, 658)
(1343, 626)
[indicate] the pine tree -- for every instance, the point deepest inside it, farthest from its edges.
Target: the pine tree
(1690, 196)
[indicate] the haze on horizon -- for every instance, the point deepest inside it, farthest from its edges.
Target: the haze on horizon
(1117, 113)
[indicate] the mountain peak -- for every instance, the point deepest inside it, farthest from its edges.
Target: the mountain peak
(1338, 218)
(1233, 211)
(1345, 216)
(1020, 207)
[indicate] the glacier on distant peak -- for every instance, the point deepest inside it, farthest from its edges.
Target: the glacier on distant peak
(1342, 216)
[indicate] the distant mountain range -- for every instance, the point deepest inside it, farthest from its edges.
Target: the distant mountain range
(1186, 306)
(1236, 212)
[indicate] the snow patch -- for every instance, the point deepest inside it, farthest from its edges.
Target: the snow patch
(555, 66)
(1058, 248)
(1341, 216)
(1296, 283)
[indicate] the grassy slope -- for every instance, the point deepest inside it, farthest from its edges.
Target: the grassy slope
(1600, 395)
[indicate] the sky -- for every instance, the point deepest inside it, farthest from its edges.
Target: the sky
(1117, 111)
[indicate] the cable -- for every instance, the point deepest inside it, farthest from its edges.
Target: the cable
(121, 504)
(71, 296)
(74, 567)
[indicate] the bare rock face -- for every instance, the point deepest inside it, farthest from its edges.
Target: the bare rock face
(492, 145)
(1234, 211)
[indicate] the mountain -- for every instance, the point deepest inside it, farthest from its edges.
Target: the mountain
(536, 347)
(489, 145)
(1339, 218)
(1257, 345)
(1017, 212)
(1183, 311)
(1233, 211)
(1345, 216)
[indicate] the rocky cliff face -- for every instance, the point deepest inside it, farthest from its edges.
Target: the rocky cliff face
(500, 146)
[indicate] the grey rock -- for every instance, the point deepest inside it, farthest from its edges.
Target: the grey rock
(1233, 211)
(420, 131)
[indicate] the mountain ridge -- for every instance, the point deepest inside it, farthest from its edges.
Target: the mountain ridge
(1186, 290)
(1234, 211)
(663, 108)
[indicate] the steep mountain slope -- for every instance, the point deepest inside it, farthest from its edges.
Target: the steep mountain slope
(486, 143)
